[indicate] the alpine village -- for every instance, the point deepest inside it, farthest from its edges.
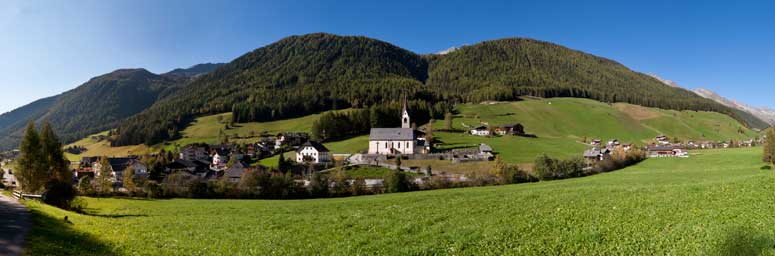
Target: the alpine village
(345, 117)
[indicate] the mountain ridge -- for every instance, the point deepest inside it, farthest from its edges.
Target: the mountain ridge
(94, 106)
(764, 113)
(317, 72)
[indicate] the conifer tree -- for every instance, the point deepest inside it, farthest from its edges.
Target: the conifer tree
(51, 148)
(32, 174)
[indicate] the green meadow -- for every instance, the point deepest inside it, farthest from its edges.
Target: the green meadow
(717, 202)
(562, 125)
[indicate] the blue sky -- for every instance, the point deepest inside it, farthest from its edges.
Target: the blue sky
(49, 47)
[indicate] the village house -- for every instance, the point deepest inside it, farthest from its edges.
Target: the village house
(194, 152)
(480, 131)
(195, 167)
(662, 139)
(510, 129)
(118, 165)
(220, 155)
(665, 151)
(404, 140)
(313, 152)
(291, 139)
(234, 173)
(593, 155)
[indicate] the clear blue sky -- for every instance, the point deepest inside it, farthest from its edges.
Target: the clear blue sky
(53, 46)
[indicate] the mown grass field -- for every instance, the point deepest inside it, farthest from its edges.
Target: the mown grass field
(717, 202)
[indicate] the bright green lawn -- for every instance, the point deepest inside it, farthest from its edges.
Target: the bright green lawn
(717, 203)
(576, 118)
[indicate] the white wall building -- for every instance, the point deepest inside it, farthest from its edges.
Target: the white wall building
(313, 152)
(480, 131)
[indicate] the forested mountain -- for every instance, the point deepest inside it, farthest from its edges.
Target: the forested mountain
(99, 104)
(307, 74)
(11, 123)
(194, 71)
(95, 106)
(504, 69)
(293, 77)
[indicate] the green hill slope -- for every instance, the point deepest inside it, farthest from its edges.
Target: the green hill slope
(562, 124)
(506, 68)
(714, 203)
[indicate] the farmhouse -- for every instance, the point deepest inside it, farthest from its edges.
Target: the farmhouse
(511, 129)
(596, 154)
(404, 140)
(291, 139)
(665, 151)
(313, 152)
(119, 165)
(196, 167)
(234, 173)
(480, 131)
(194, 152)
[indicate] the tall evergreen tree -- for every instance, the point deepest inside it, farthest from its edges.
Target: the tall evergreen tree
(51, 147)
(32, 172)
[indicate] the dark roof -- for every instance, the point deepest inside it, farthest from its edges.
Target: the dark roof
(181, 164)
(235, 171)
(592, 152)
(319, 147)
(89, 159)
(391, 134)
(481, 128)
(119, 164)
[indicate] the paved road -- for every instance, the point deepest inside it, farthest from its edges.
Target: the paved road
(14, 224)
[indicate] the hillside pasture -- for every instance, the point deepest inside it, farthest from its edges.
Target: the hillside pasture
(717, 202)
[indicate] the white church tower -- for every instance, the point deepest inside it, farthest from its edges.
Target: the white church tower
(405, 122)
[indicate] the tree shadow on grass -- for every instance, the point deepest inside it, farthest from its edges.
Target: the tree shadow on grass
(50, 236)
(744, 241)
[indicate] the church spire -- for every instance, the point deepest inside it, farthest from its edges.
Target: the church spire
(405, 122)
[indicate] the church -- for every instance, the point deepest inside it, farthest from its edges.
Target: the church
(392, 141)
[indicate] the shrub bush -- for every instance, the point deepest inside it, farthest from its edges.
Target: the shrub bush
(59, 194)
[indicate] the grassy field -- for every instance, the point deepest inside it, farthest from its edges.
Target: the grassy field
(206, 129)
(96, 147)
(562, 124)
(576, 118)
(717, 202)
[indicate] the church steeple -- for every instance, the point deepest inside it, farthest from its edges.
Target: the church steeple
(405, 122)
